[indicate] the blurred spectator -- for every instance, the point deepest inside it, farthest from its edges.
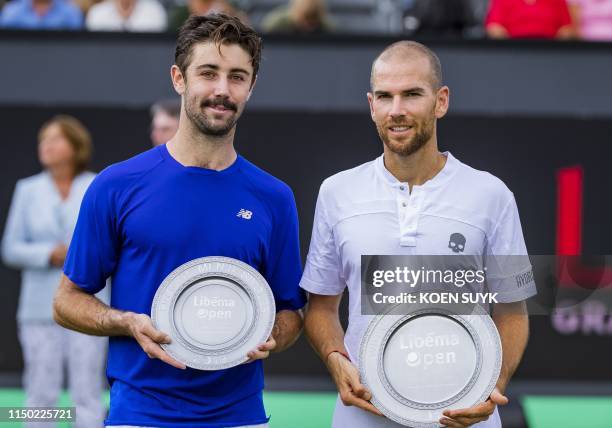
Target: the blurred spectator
(38, 231)
(300, 16)
(41, 15)
(593, 19)
(85, 5)
(538, 19)
(127, 15)
(164, 120)
(179, 14)
(437, 17)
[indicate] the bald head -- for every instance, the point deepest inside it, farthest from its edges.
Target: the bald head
(407, 50)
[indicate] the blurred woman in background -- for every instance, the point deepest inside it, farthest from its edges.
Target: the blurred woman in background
(41, 220)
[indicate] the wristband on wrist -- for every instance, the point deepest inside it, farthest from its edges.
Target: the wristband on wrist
(344, 354)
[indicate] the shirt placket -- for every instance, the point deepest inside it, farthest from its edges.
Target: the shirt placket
(408, 208)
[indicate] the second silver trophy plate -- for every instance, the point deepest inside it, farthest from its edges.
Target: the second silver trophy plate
(433, 359)
(216, 310)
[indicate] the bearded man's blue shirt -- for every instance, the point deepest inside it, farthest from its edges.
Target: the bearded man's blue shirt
(142, 218)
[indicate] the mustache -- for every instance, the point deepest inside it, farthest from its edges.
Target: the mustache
(225, 102)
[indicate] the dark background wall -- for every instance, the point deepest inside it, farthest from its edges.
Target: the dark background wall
(309, 74)
(519, 110)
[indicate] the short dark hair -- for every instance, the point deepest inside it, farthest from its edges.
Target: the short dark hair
(406, 47)
(170, 106)
(218, 28)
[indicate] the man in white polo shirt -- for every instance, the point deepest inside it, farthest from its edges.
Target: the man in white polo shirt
(411, 200)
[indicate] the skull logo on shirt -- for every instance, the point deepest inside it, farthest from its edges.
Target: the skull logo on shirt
(457, 242)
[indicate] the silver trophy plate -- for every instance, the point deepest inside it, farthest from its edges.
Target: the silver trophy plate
(216, 310)
(428, 361)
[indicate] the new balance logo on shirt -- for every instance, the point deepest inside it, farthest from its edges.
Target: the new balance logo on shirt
(245, 214)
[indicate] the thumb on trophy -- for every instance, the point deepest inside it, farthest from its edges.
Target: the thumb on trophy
(498, 398)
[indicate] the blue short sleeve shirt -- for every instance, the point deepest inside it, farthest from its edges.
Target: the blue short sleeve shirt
(142, 218)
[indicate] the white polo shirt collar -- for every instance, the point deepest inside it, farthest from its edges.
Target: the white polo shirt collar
(440, 178)
(410, 204)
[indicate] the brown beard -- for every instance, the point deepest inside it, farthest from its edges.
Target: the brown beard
(198, 117)
(422, 135)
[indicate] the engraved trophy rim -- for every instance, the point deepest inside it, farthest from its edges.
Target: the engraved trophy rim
(234, 274)
(407, 412)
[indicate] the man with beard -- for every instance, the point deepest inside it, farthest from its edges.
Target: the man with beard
(190, 198)
(409, 201)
